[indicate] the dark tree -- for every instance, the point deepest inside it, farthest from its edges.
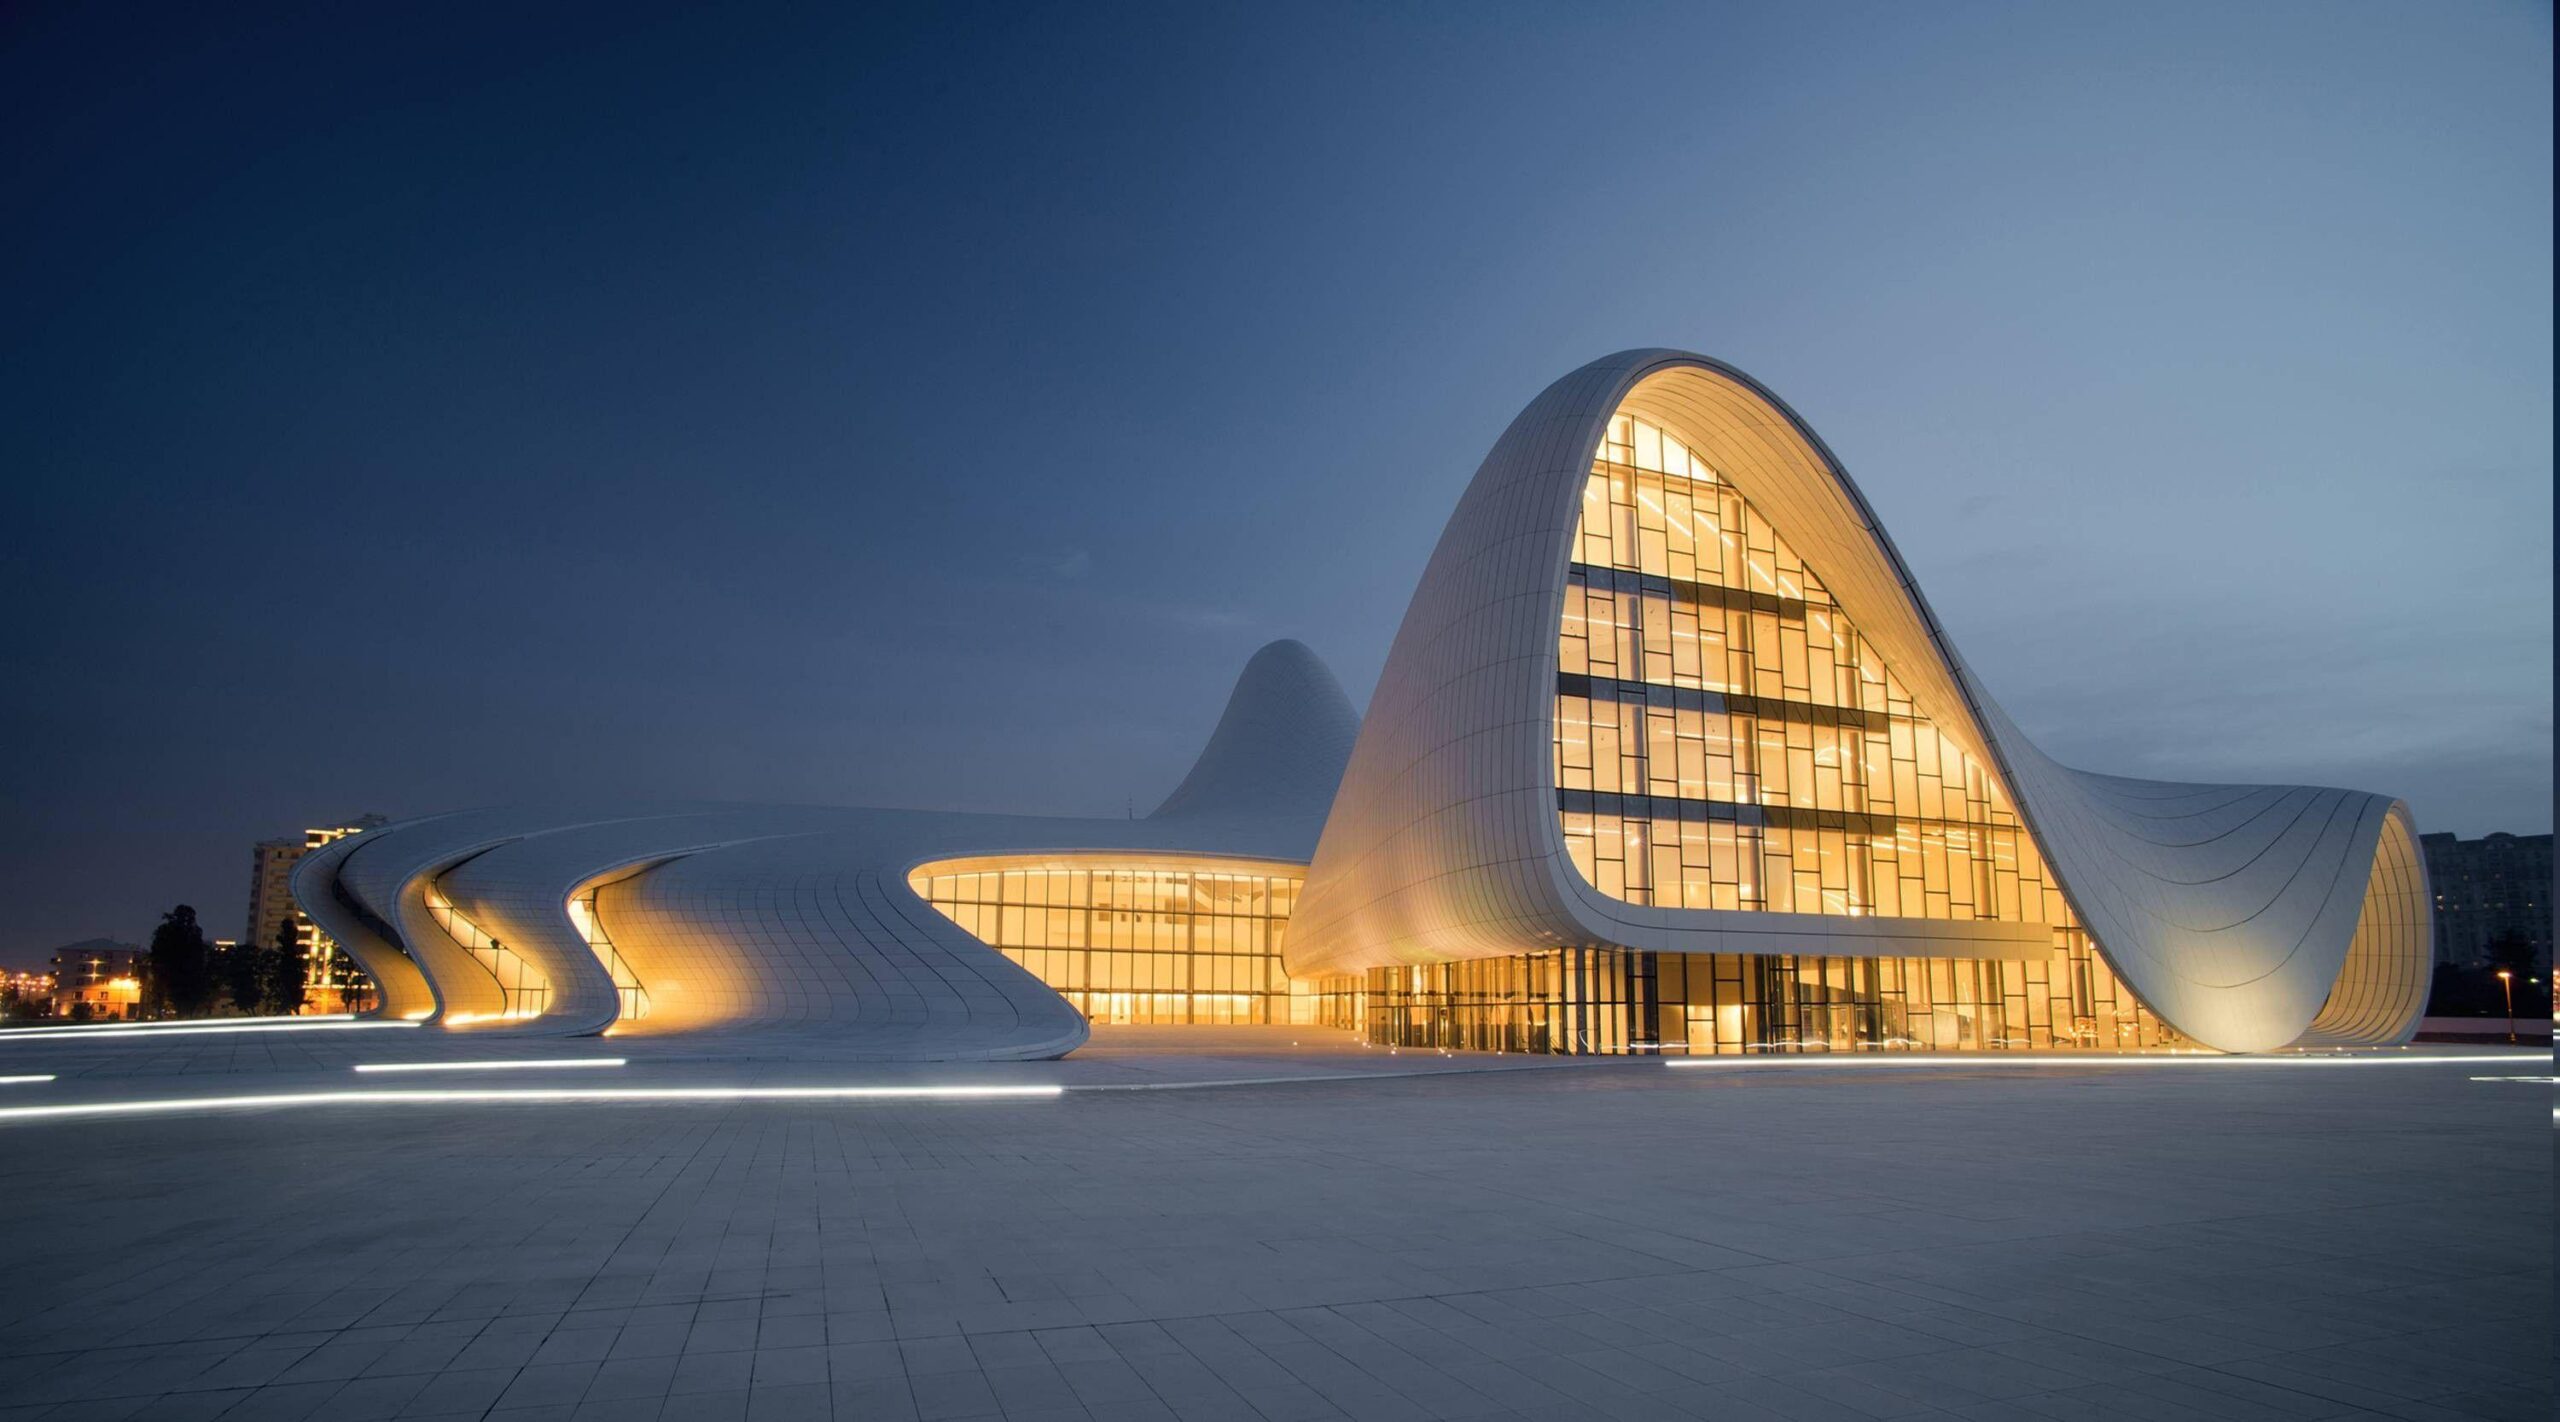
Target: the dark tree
(2514, 952)
(182, 976)
(244, 976)
(284, 978)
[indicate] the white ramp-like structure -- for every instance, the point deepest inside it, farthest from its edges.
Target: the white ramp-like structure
(649, 919)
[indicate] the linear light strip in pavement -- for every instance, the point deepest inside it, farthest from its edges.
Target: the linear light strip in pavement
(446, 1096)
(24, 1080)
(155, 1030)
(560, 1064)
(1049, 1091)
(2063, 1061)
(174, 1024)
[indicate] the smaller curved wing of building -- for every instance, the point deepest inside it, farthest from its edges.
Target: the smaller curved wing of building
(1524, 780)
(658, 918)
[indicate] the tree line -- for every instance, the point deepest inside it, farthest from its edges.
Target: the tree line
(2474, 990)
(184, 975)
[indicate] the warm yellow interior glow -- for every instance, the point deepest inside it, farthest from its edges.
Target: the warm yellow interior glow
(1132, 937)
(626, 983)
(1725, 739)
(524, 989)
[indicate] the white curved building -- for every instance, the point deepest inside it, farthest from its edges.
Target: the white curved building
(878, 928)
(1669, 754)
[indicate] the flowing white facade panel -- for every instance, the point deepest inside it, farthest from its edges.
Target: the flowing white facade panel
(687, 917)
(400, 990)
(2244, 916)
(2394, 939)
(521, 893)
(2230, 910)
(388, 874)
(1277, 754)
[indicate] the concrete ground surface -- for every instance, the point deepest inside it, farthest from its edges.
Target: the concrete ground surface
(1346, 1233)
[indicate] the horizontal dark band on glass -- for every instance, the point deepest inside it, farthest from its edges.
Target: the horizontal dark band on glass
(1689, 698)
(1623, 580)
(1665, 807)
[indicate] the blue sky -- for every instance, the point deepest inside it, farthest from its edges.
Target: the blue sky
(413, 409)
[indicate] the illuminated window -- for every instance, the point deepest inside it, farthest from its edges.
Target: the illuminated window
(523, 988)
(1132, 938)
(626, 983)
(1726, 739)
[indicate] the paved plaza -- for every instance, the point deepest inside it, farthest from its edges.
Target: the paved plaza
(1344, 1234)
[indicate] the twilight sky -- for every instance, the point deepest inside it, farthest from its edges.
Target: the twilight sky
(406, 412)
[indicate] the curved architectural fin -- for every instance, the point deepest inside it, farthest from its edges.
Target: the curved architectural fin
(400, 990)
(1278, 751)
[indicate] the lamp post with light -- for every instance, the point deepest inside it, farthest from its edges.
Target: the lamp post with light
(2507, 986)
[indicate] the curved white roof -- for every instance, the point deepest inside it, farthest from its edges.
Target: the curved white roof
(797, 917)
(2232, 911)
(1278, 752)
(2246, 916)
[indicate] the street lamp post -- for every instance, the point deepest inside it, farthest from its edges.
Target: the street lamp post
(2507, 986)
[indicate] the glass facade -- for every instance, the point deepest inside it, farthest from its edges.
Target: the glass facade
(626, 983)
(1129, 938)
(1726, 739)
(524, 989)
(1583, 1000)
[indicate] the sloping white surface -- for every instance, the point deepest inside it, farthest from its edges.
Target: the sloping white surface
(800, 917)
(1278, 753)
(2230, 910)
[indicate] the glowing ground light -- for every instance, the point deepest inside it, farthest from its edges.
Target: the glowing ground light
(183, 1029)
(562, 1064)
(2059, 1062)
(24, 1080)
(531, 1095)
(175, 1024)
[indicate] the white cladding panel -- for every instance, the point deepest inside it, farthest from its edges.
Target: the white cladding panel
(2230, 910)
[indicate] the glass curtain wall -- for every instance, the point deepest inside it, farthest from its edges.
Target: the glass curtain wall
(524, 989)
(633, 997)
(1612, 1000)
(1130, 939)
(1726, 739)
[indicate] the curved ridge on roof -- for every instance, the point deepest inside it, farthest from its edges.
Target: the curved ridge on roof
(1279, 750)
(2246, 917)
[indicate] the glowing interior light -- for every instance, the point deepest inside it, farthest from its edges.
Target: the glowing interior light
(24, 1080)
(474, 1019)
(183, 1029)
(529, 1095)
(559, 1064)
